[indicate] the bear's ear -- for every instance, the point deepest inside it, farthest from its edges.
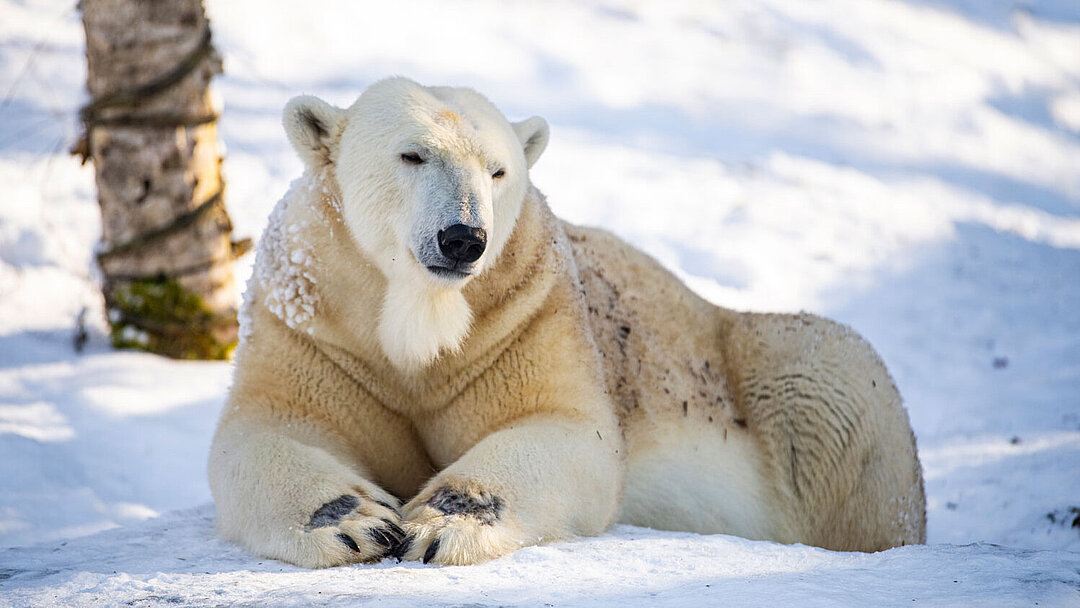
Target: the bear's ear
(313, 128)
(533, 134)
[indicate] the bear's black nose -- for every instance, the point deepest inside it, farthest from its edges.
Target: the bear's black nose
(462, 243)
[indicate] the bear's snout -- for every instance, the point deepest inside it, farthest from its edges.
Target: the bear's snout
(462, 244)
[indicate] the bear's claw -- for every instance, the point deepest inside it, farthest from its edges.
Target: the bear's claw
(432, 549)
(402, 548)
(349, 542)
(396, 529)
(383, 538)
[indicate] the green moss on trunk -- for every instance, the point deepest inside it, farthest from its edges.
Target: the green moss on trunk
(163, 317)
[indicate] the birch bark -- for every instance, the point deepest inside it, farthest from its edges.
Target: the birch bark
(166, 249)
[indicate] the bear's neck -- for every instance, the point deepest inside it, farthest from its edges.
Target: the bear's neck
(459, 333)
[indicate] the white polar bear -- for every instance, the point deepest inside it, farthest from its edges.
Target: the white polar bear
(421, 328)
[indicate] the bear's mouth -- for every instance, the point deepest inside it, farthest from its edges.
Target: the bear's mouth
(449, 274)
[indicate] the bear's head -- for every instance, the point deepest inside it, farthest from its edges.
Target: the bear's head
(431, 180)
(434, 175)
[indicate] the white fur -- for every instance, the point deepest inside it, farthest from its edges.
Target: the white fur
(689, 480)
(418, 322)
(394, 209)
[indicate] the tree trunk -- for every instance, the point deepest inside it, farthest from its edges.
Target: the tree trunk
(166, 251)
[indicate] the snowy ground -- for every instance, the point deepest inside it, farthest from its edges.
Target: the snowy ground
(910, 168)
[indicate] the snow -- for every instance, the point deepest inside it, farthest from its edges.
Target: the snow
(285, 272)
(909, 168)
(177, 560)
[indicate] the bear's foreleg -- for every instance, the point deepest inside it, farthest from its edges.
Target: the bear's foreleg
(290, 500)
(538, 480)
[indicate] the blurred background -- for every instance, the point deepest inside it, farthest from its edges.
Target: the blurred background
(911, 168)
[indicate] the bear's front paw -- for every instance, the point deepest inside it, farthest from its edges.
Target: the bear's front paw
(353, 528)
(458, 527)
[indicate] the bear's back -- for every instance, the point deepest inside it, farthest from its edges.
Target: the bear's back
(658, 339)
(833, 444)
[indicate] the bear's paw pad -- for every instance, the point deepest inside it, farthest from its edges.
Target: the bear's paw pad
(483, 506)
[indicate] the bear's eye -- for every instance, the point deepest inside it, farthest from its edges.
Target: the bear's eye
(412, 158)
(498, 174)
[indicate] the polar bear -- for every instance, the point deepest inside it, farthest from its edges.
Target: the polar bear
(434, 367)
